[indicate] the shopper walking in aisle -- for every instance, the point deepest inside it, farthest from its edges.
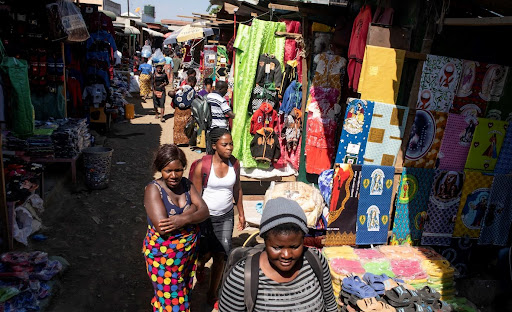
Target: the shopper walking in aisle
(169, 64)
(174, 208)
(287, 278)
(145, 72)
(176, 60)
(208, 86)
(182, 113)
(160, 80)
(220, 111)
(219, 183)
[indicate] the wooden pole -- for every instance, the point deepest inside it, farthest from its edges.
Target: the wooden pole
(6, 230)
(64, 87)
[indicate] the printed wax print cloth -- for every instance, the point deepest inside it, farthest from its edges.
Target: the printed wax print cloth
(425, 139)
(251, 42)
(386, 133)
(325, 184)
(486, 145)
(473, 204)
(381, 74)
(504, 164)
(411, 205)
(443, 204)
(456, 141)
(356, 127)
(499, 108)
(374, 203)
(470, 99)
(321, 129)
(498, 218)
(341, 223)
(439, 80)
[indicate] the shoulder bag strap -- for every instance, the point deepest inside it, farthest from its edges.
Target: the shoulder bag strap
(316, 265)
(251, 280)
(206, 165)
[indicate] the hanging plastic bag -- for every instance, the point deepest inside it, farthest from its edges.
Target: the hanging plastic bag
(134, 84)
(22, 112)
(146, 51)
(158, 57)
(73, 22)
(24, 225)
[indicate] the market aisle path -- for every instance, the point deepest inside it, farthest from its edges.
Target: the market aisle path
(100, 232)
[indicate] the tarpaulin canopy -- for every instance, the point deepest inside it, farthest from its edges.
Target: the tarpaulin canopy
(153, 33)
(188, 32)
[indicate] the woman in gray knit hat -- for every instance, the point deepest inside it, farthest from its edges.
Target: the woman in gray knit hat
(287, 280)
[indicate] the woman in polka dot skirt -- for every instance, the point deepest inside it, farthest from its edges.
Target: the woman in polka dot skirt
(174, 209)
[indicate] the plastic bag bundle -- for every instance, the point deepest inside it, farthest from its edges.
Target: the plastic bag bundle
(158, 58)
(146, 51)
(72, 21)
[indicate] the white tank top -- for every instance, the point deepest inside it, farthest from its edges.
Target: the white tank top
(218, 194)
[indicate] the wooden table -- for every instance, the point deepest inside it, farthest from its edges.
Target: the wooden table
(72, 161)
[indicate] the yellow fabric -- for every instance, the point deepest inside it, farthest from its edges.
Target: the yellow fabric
(345, 252)
(322, 27)
(381, 73)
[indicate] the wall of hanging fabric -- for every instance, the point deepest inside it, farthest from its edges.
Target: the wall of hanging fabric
(504, 164)
(251, 42)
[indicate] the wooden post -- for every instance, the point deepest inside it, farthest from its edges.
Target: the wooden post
(4, 213)
(64, 85)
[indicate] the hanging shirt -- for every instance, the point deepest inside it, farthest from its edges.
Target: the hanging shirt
(357, 45)
(96, 92)
(265, 116)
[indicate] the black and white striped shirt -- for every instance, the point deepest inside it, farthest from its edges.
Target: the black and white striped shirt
(303, 294)
(219, 108)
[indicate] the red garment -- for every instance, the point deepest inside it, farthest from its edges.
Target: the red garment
(291, 157)
(75, 96)
(99, 21)
(290, 47)
(265, 116)
(357, 46)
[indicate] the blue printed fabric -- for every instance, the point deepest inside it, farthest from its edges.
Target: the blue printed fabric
(354, 136)
(375, 195)
(498, 217)
(325, 185)
(504, 164)
(411, 206)
(443, 205)
(386, 133)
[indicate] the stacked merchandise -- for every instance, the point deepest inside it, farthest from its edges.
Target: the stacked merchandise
(10, 142)
(40, 146)
(383, 269)
(118, 92)
(71, 138)
(21, 178)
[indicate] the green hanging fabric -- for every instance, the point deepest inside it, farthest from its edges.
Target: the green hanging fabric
(22, 112)
(251, 42)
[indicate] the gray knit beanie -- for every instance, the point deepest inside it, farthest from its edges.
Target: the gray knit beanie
(281, 210)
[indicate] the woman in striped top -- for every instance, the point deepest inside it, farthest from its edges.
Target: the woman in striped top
(286, 280)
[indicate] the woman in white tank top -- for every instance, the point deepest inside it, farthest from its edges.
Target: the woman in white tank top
(221, 191)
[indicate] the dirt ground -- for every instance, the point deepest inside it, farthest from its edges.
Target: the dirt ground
(100, 232)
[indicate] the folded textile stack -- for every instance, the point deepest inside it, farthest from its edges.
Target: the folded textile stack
(71, 138)
(12, 143)
(342, 262)
(40, 146)
(440, 277)
(378, 267)
(410, 271)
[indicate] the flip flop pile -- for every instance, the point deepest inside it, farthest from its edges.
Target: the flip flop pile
(441, 277)
(382, 293)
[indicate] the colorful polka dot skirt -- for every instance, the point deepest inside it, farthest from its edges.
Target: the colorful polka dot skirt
(171, 266)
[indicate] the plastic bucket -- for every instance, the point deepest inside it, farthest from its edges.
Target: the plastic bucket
(97, 162)
(129, 111)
